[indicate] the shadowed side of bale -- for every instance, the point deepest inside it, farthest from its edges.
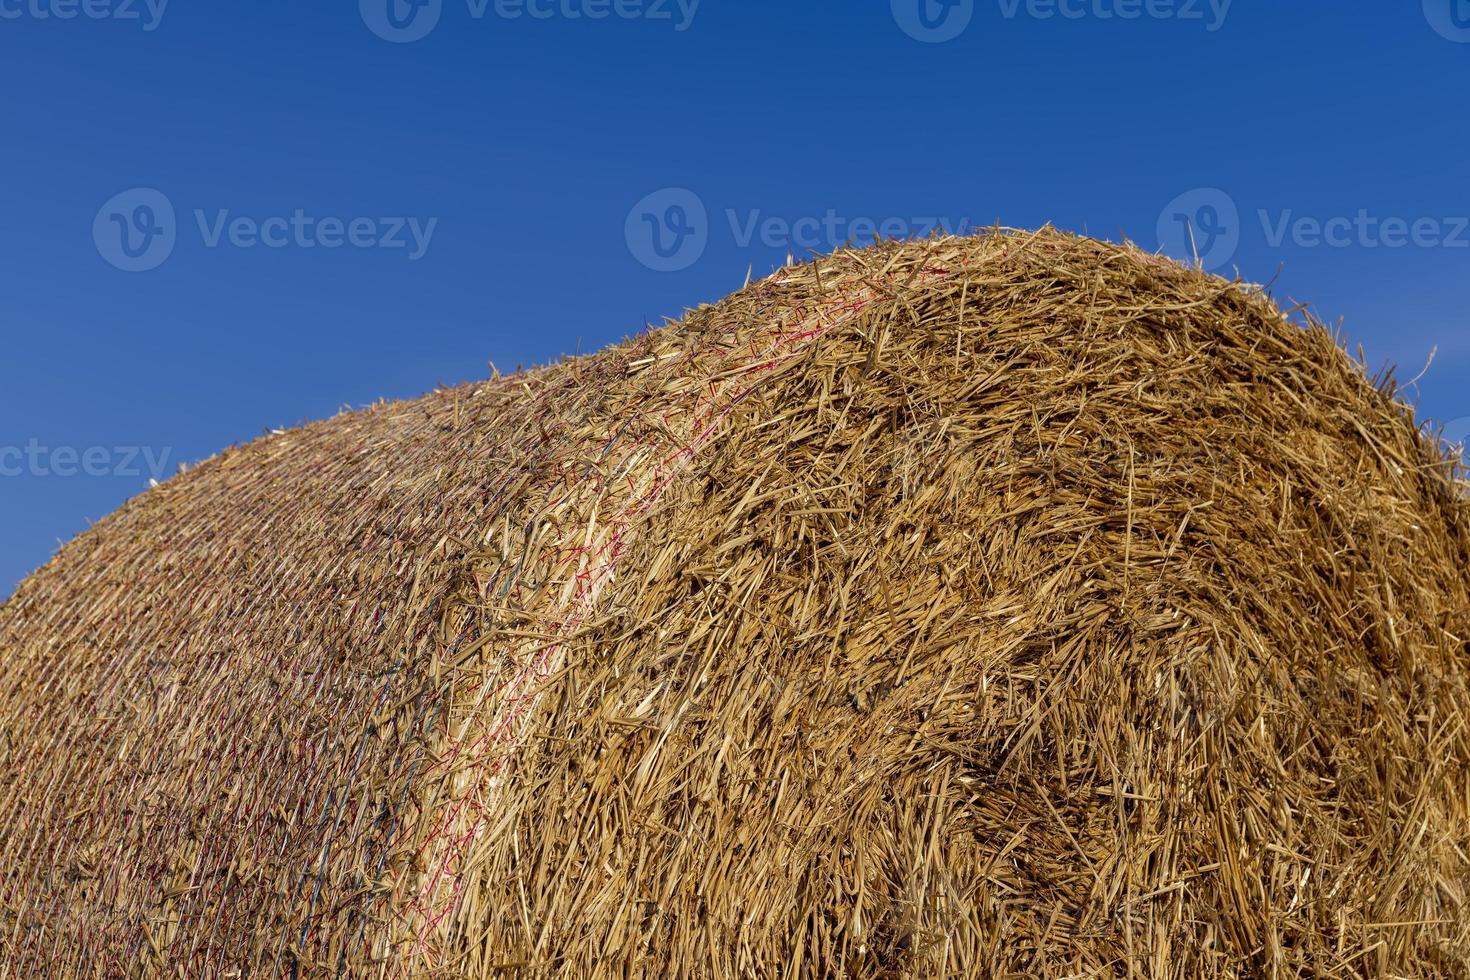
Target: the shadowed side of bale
(216, 703)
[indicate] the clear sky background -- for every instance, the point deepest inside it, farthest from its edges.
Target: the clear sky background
(573, 177)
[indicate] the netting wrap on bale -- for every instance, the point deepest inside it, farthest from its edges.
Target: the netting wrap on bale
(1015, 604)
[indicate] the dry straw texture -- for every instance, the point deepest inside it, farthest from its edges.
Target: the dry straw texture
(1008, 605)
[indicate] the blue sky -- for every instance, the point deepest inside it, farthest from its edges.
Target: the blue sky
(218, 219)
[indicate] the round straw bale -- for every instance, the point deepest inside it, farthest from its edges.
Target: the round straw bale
(1016, 604)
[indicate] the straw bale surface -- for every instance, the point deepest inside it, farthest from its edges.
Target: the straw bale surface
(1008, 605)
